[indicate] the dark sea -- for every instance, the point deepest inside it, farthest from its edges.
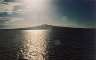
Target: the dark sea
(47, 44)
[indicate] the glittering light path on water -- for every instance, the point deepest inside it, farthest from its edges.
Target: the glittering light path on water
(35, 45)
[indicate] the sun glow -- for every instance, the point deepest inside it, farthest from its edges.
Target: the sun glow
(38, 11)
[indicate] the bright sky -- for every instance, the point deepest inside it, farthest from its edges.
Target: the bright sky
(57, 12)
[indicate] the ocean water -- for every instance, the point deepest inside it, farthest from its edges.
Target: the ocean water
(23, 44)
(47, 44)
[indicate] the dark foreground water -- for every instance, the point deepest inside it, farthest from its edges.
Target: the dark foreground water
(23, 44)
(48, 44)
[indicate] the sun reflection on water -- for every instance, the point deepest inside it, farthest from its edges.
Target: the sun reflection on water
(35, 44)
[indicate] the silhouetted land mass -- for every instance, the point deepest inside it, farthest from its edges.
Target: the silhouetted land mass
(46, 27)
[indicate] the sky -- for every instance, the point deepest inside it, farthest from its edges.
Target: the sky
(67, 13)
(79, 11)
